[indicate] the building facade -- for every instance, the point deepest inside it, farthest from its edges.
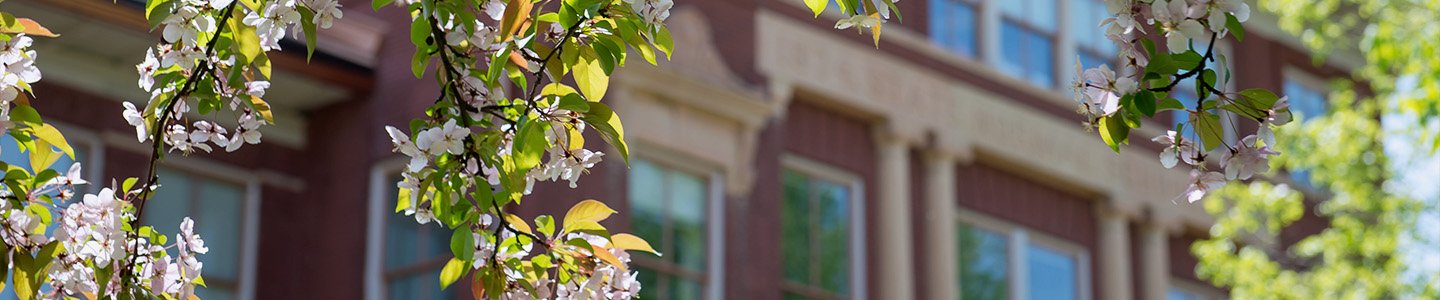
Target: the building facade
(772, 158)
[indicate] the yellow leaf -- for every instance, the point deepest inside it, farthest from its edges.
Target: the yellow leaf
(90, 296)
(608, 257)
(875, 31)
(22, 99)
(588, 210)
(584, 226)
(32, 28)
(517, 12)
(263, 108)
(193, 297)
(518, 223)
(631, 242)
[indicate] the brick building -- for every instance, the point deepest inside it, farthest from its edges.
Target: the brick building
(772, 158)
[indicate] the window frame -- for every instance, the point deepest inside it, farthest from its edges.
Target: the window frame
(713, 277)
(1080, 48)
(817, 170)
(1018, 240)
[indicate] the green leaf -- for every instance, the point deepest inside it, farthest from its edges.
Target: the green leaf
(307, 23)
(588, 210)
(453, 270)
(1207, 78)
(462, 243)
(546, 225)
(1114, 131)
(25, 113)
(417, 63)
(817, 6)
(1149, 46)
(530, 144)
(1170, 104)
(1233, 25)
(608, 123)
(1260, 97)
(590, 76)
(156, 11)
(420, 33)
(377, 4)
(24, 269)
(1208, 126)
(1145, 102)
(665, 43)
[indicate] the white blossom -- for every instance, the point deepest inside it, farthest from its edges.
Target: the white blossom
(1201, 182)
(1246, 160)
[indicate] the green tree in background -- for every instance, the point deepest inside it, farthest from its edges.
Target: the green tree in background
(1359, 254)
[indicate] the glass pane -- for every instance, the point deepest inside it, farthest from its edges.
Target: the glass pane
(834, 237)
(1091, 61)
(647, 207)
(1037, 68)
(1052, 274)
(1305, 102)
(219, 223)
(688, 194)
(681, 289)
(648, 278)
(171, 202)
(401, 236)
(795, 228)
(1012, 46)
(952, 26)
(439, 240)
(212, 293)
(984, 264)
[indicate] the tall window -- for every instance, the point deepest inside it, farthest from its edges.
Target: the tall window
(1027, 33)
(218, 210)
(414, 254)
(1307, 100)
(953, 26)
(991, 259)
(815, 237)
(668, 209)
(1093, 47)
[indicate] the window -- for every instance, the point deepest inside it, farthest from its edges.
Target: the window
(218, 209)
(1181, 294)
(668, 208)
(1093, 47)
(984, 264)
(1307, 100)
(1002, 262)
(953, 26)
(820, 231)
(1027, 33)
(414, 253)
